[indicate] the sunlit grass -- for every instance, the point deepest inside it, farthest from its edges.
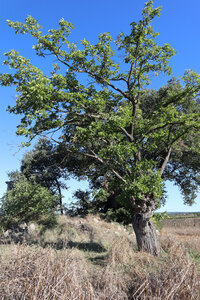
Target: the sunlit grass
(97, 261)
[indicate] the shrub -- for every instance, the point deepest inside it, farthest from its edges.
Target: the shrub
(28, 202)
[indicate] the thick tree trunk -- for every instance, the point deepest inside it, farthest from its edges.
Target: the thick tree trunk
(145, 234)
(143, 226)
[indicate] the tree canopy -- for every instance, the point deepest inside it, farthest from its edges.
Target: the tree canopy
(97, 103)
(43, 165)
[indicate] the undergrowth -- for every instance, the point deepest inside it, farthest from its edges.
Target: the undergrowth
(101, 263)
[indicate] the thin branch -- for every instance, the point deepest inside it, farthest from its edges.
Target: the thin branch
(118, 176)
(95, 155)
(129, 75)
(89, 115)
(92, 75)
(162, 127)
(118, 79)
(49, 138)
(180, 135)
(130, 136)
(165, 161)
(101, 161)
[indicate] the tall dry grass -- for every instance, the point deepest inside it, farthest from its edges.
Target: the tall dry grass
(35, 273)
(188, 236)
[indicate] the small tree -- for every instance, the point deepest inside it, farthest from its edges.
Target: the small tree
(27, 202)
(43, 165)
(135, 138)
(83, 205)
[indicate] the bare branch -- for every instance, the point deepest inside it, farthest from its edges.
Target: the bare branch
(118, 79)
(118, 176)
(165, 161)
(130, 136)
(49, 138)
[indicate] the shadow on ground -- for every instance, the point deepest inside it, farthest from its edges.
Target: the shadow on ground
(87, 246)
(84, 246)
(100, 260)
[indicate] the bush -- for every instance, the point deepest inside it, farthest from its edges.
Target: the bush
(28, 202)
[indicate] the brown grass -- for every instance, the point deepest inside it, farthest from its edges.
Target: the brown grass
(113, 271)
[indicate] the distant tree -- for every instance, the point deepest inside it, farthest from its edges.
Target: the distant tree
(43, 166)
(27, 202)
(82, 206)
(105, 207)
(135, 138)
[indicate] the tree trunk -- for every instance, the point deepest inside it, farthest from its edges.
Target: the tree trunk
(61, 205)
(60, 196)
(143, 227)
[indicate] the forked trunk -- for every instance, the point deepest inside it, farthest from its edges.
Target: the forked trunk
(144, 229)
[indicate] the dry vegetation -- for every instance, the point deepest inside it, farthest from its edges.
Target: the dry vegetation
(92, 260)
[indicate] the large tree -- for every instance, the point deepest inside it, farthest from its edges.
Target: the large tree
(97, 102)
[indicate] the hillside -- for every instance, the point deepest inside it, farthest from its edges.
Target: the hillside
(92, 259)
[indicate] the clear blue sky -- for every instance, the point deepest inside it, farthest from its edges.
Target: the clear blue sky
(178, 25)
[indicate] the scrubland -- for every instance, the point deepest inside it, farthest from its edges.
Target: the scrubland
(90, 259)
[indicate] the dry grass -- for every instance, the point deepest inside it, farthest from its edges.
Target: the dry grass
(81, 270)
(187, 235)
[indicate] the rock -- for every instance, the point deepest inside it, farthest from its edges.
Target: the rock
(31, 228)
(22, 228)
(95, 220)
(7, 233)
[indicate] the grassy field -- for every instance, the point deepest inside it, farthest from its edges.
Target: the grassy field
(90, 259)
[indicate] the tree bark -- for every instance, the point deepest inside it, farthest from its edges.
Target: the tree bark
(143, 226)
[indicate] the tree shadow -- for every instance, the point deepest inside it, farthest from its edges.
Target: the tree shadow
(99, 260)
(87, 246)
(84, 246)
(59, 245)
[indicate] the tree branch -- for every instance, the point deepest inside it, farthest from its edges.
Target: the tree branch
(165, 161)
(92, 75)
(118, 176)
(93, 155)
(130, 136)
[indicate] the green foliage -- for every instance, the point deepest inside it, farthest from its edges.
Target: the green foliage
(128, 138)
(28, 202)
(83, 206)
(157, 219)
(120, 215)
(43, 166)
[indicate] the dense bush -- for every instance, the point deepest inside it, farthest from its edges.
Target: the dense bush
(28, 202)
